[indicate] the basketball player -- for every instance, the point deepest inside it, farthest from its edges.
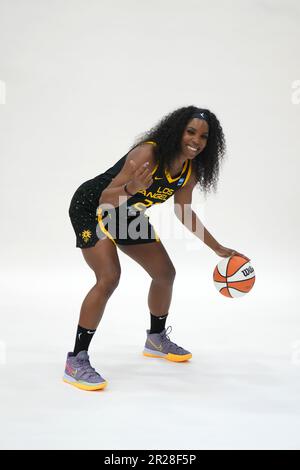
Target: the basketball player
(185, 148)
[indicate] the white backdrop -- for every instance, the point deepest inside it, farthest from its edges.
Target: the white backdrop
(79, 81)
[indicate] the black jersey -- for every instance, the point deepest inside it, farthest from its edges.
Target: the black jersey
(162, 188)
(90, 221)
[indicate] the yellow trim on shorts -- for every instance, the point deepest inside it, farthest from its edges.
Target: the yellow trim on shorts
(156, 236)
(102, 227)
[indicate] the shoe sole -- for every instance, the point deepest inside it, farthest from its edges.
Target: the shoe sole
(83, 386)
(169, 356)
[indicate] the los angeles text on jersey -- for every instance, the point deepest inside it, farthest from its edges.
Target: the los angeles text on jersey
(151, 459)
(161, 193)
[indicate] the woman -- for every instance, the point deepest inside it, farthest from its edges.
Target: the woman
(185, 148)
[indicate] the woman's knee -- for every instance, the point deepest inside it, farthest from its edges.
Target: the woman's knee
(109, 282)
(167, 274)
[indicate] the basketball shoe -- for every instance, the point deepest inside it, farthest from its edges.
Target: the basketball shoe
(80, 373)
(159, 345)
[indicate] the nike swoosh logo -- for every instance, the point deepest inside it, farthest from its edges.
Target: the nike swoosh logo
(159, 348)
(158, 178)
(90, 332)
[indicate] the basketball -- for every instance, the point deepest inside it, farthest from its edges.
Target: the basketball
(234, 276)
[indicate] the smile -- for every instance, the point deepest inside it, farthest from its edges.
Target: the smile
(192, 148)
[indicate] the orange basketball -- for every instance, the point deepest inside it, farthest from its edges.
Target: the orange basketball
(234, 276)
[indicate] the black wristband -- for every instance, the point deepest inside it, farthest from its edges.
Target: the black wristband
(126, 190)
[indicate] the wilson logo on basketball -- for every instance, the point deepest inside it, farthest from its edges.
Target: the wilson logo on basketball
(248, 271)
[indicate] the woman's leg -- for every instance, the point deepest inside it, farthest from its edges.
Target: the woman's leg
(154, 258)
(104, 261)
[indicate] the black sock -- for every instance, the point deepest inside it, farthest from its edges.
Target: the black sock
(83, 339)
(157, 323)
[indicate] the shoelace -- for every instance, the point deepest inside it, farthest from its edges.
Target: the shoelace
(165, 337)
(86, 368)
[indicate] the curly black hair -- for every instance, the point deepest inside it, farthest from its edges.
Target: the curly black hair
(168, 134)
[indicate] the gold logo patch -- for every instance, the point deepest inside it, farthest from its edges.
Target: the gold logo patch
(86, 235)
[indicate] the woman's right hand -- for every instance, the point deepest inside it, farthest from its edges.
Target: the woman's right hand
(141, 177)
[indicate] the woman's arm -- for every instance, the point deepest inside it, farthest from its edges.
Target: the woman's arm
(184, 212)
(115, 190)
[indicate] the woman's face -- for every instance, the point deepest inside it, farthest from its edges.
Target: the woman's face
(194, 137)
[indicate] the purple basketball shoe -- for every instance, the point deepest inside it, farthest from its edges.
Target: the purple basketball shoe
(81, 374)
(160, 345)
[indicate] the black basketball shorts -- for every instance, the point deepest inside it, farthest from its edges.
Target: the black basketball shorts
(92, 222)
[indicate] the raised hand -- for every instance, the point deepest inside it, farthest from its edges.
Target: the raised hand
(141, 177)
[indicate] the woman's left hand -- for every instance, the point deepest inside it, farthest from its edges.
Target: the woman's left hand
(227, 252)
